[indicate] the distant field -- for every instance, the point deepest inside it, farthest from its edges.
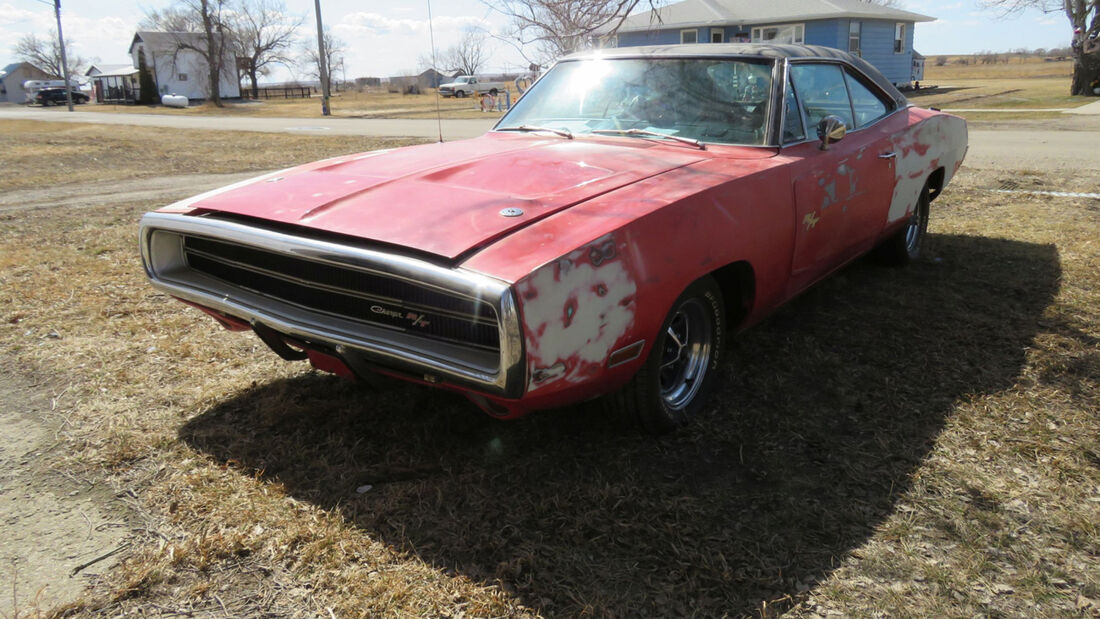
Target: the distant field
(342, 105)
(1011, 67)
(50, 153)
(1018, 83)
(963, 82)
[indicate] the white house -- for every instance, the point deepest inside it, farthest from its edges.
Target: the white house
(181, 71)
(12, 78)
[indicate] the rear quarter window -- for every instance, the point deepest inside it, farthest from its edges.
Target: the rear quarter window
(867, 105)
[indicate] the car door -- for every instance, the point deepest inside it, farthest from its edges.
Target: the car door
(843, 193)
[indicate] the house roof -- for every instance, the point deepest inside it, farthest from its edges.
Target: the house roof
(109, 69)
(13, 67)
(116, 70)
(166, 40)
(697, 13)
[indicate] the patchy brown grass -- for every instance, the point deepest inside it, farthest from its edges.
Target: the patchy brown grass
(1002, 93)
(44, 153)
(1021, 83)
(1016, 67)
(916, 442)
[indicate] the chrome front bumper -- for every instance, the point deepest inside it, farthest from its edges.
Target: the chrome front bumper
(496, 372)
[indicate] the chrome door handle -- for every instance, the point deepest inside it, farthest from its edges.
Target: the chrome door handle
(889, 155)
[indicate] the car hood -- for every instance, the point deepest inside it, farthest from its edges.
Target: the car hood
(447, 199)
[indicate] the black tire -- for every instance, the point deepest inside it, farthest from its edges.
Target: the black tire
(670, 389)
(905, 244)
(461, 94)
(493, 92)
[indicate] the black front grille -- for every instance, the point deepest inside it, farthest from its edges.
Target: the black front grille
(348, 293)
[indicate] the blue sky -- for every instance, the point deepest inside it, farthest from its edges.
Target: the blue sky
(386, 37)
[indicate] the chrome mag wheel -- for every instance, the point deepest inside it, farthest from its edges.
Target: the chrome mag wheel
(685, 354)
(914, 231)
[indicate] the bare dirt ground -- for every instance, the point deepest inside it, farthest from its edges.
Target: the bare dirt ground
(53, 522)
(156, 190)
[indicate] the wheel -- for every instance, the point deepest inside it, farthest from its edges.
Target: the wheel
(905, 244)
(677, 377)
(461, 94)
(493, 91)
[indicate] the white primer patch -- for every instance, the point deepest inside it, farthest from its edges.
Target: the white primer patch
(575, 313)
(944, 141)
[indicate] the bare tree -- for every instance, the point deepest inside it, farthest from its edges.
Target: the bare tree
(46, 54)
(172, 19)
(210, 18)
(558, 27)
(468, 55)
(1084, 19)
(334, 56)
(263, 34)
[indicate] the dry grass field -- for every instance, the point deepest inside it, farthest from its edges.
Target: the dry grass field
(41, 154)
(348, 104)
(912, 443)
(1020, 83)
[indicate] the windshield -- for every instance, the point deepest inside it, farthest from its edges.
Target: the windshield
(716, 100)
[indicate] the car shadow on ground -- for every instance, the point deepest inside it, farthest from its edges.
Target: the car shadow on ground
(826, 411)
(933, 89)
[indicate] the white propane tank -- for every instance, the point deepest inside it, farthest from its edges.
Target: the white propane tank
(174, 100)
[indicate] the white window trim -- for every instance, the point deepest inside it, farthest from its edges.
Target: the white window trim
(757, 32)
(858, 51)
(695, 30)
(899, 35)
(721, 36)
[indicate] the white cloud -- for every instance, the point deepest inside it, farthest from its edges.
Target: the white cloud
(381, 45)
(105, 38)
(10, 15)
(376, 24)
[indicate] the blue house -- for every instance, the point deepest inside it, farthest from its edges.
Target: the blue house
(881, 35)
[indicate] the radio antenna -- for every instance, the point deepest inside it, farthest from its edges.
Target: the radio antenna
(435, 70)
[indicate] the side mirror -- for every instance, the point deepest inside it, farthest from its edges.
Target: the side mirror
(831, 129)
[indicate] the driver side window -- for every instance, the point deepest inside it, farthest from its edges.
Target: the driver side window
(822, 92)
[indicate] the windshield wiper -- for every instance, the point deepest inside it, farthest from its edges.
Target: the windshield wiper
(647, 133)
(562, 132)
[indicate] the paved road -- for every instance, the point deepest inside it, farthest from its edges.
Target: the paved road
(1035, 149)
(1044, 145)
(453, 129)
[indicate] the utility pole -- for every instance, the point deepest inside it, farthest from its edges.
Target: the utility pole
(64, 60)
(321, 63)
